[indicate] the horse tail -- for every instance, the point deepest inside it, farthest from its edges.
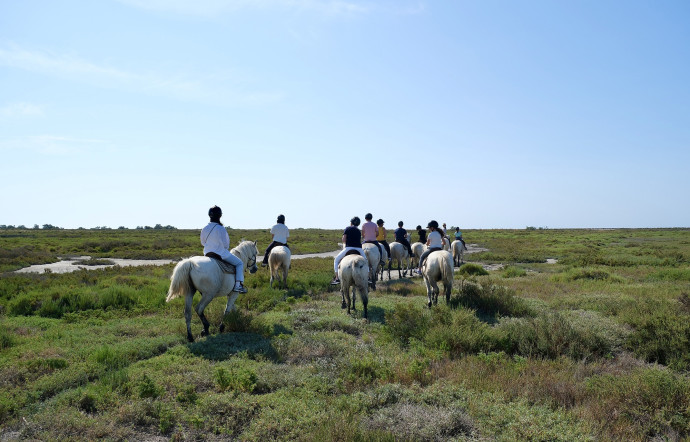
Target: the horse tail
(181, 281)
(447, 269)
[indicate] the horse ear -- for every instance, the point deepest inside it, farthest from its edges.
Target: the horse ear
(254, 242)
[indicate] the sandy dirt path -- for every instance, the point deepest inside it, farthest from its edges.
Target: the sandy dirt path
(71, 264)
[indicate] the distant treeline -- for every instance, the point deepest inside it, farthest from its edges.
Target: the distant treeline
(52, 227)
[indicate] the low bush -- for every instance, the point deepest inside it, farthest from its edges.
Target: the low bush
(553, 334)
(470, 269)
(491, 300)
(662, 337)
(513, 272)
(458, 332)
(407, 322)
(651, 402)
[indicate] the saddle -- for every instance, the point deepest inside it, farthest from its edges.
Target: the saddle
(352, 252)
(225, 266)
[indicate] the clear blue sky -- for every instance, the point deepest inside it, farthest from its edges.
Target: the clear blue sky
(482, 114)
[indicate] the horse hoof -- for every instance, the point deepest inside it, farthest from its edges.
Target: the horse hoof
(190, 338)
(343, 306)
(222, 328)
(429, 304)
(204, 333)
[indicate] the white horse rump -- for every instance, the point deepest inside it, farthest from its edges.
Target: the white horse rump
(374, 259)
(458, 252)
(279, 264)
(354, 273)
(438, 266)
(400, 255)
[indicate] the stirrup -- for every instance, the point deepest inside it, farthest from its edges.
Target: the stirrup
(240, 289)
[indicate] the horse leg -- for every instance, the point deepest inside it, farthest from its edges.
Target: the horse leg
(200, 311)
(354, 298)
(188, 316)
(285, 272)
(429, 292)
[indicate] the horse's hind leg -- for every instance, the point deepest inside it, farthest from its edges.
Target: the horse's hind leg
(200, 311)
(188, 316)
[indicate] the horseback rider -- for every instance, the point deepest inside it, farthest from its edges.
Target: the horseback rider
(401, 237)
(458, 237)
(381, 237)
(352, 239)
(422, 234)
(279, 237)
(370, 232)
(434, 243)
(215, 239)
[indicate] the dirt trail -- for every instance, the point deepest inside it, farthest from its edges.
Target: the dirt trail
(71, 264)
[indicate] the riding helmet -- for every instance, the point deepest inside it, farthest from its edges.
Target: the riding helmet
(433, 224)
(281, 219)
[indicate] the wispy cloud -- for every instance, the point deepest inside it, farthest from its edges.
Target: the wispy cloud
(210, 89)
(21, 109)
(51, 144)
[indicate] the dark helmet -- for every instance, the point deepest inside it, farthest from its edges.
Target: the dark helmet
(368, 216)
(400, 223)
(215, 212)
(433, 224)
(419, 227)
(355, 221)
(379, 222)
(281, 219)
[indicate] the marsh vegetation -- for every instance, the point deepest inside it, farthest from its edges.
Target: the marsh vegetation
(594, 347)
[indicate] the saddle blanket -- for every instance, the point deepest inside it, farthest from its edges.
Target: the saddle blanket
(226, 267)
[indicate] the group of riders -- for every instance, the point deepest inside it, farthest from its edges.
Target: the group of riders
(216, 241)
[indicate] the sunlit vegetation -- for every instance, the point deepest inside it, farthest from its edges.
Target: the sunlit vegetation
(594, 347)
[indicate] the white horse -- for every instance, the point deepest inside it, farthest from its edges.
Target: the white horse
(374, 258)
(354, 273)
(438, 266)
(279, 264)
(400, 255)
(417, 248)
(458, 252)
(446, 244)
(203, 274)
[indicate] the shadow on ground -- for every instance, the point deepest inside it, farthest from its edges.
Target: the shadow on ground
(224, 345)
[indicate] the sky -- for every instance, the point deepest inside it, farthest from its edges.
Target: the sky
(481, 114)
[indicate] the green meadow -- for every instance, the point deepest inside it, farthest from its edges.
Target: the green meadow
(577, 335)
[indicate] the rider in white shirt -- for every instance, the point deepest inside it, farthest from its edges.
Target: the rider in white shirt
(434, 242)
(215, 239)
(279, 237)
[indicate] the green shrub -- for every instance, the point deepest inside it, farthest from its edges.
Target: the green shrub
(458, 332)
(406, 322)
(471, 269)
(663, 337)
(514, 272)
(652, 402)
(7, 339)
(578, 335)
(23, 305)
(148, 388)
(491, 300)
(364, 370)
(239, 379)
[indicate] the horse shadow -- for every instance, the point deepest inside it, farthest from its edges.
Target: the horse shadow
(223, 346)
(376, 314)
